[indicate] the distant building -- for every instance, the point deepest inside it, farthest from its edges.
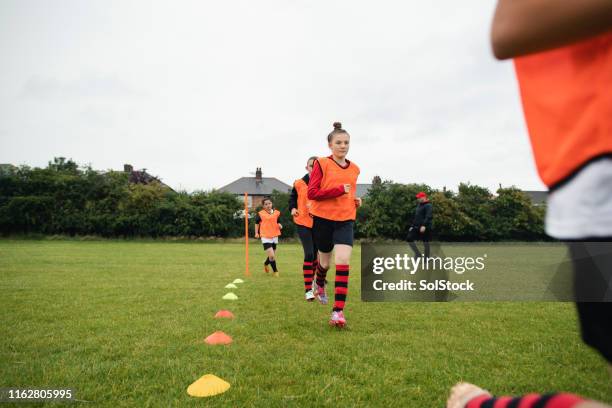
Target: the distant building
(141, 176)
(257, 187)
(538, 198)
(362, 189)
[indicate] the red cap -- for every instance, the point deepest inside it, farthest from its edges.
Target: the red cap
(421, 194)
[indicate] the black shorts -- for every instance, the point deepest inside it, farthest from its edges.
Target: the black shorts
(269, 245)
(328, 233)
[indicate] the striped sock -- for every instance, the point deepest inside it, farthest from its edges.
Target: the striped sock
(527, 401)
(308, 275)
(273, 263)
(321, 275)
(341, 288)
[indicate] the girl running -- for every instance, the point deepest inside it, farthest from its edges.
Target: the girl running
(299, 205)
(269, 229)
(562, 54)
(332, 187)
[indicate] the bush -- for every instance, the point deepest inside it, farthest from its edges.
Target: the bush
(64, 199)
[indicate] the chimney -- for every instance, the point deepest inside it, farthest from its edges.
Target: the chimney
(127, 168)
(258, 174)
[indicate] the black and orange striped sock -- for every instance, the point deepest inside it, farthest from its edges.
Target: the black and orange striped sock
(308, 275)
(273, 263)
(321, 275)
(341, 288)
(527, 401)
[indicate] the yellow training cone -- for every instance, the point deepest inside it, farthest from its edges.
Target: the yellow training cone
(230, 286)
(207, 386)
(230, 296)
(238, 280)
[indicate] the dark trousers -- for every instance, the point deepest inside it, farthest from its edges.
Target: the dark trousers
(414, 234)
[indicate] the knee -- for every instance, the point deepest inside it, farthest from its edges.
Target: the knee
(342, 261)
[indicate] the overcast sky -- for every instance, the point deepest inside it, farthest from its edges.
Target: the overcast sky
(200, 93)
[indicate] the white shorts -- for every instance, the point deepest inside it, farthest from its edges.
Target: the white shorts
(582, 208)
(269, 240)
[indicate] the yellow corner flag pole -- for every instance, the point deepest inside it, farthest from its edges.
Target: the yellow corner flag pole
(246, 233)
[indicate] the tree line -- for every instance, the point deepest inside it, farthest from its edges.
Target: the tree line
(64, 198)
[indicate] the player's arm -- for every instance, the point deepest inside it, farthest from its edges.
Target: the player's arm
(293, 202)
(315, 192)
(525, 26)
(257, 222)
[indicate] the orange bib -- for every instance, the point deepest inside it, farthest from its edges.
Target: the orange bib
(567, 101)
(268, 226)
(303, 204)
(340, 208)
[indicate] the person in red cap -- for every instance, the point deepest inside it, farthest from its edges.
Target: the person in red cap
(421, 225)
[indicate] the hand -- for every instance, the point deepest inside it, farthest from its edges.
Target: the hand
(294, 212)
(462, 393)
(422, 229)
(347, 188)
(256, 235)
(280, 225)
(358, 202)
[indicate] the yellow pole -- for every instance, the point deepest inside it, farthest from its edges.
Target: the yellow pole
(246, 234)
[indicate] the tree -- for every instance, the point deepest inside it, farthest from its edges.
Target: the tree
(514, 216)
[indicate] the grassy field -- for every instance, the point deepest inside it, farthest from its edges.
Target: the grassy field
(123, 323)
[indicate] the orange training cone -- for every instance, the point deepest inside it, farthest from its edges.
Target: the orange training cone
(224, 314)
(218, 337)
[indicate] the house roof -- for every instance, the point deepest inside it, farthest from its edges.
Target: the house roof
(537, 197)
(362, 189)
(254, 186)
(142, 177)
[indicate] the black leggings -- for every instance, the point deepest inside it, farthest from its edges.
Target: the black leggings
(308, 245)
(593, 293)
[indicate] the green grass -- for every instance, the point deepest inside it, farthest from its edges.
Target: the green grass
(123, 324)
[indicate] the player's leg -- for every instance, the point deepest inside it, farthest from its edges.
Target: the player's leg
(343, 248)
(272, 258)
(465, 395)
(266, 246)
(592, 263)
(305, 235)
(323, 239)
